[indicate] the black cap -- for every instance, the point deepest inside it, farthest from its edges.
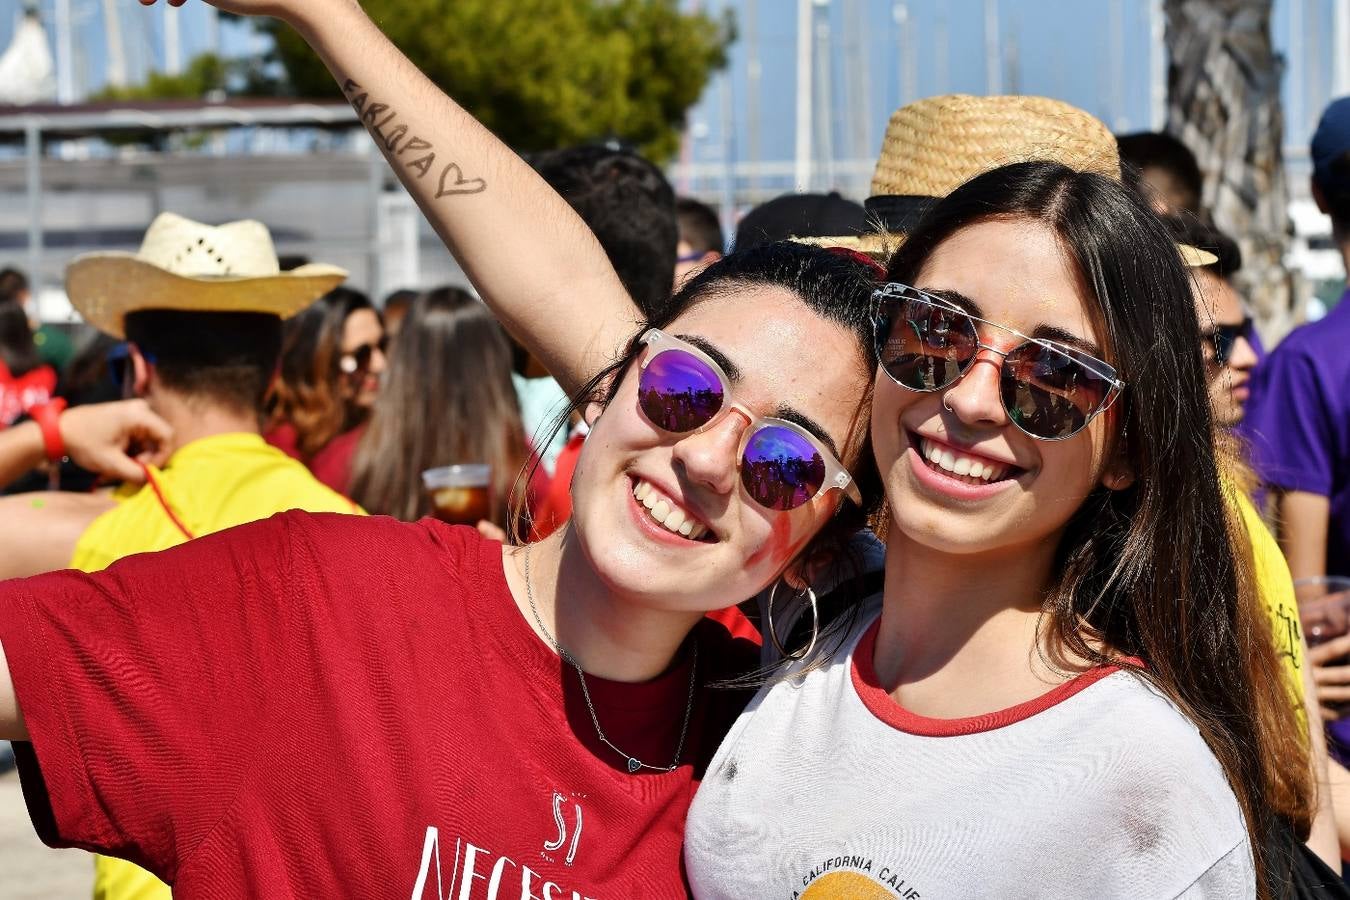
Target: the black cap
(799, 215)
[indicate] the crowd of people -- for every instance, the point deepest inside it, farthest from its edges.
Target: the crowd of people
(917, 547)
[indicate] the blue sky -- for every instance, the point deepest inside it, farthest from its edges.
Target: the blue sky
(1063, 48)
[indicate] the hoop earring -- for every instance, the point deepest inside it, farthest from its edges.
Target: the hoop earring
(946, 405)
(773, 632)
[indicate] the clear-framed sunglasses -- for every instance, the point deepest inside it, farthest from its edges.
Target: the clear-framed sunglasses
(1051, 391)
(683, 390)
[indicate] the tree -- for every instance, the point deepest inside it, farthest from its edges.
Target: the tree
(1223, 101)
(203, 75)
(547, 73)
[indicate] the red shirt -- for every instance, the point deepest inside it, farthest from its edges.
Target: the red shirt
(327, 706)
(19, 395)
(332, 465)
(555, 506)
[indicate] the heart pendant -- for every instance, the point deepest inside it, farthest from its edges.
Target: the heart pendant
(633, 765)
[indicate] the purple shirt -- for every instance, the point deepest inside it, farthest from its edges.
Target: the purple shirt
(1298, 421)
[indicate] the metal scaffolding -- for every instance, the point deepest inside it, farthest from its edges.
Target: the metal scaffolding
(37, 126)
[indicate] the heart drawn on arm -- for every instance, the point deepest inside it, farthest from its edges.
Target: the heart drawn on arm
(460, 184)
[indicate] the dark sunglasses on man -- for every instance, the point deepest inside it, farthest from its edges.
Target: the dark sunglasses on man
(358, 360)
(120, 367)
(1223, 339)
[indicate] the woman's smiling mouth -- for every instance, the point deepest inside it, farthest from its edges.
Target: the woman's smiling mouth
(666, 512)
(959, 473)
(961, 464)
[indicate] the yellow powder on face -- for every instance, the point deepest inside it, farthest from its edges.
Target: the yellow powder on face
(1046, 303)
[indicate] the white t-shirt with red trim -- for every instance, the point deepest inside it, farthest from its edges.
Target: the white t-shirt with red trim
(826, 787)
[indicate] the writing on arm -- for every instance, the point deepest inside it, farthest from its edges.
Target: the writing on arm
(414, 153)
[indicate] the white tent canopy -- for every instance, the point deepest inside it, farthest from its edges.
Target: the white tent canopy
(27, 74)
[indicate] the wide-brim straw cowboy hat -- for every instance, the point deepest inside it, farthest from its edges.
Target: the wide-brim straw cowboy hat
(935, 145)
(188, 266)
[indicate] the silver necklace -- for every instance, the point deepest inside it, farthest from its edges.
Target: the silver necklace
(633, 763)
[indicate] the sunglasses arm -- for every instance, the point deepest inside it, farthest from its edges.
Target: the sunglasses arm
(844, 481)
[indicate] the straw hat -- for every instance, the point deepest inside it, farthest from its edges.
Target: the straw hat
(185, 265)
(935, 145)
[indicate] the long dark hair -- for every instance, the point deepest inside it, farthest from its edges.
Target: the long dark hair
(306, 395)
(838, 288)
(447, 398)
(17, 350)
(1160, 570)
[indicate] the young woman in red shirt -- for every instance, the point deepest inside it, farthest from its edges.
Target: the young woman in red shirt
(343, 706)
(332, 361)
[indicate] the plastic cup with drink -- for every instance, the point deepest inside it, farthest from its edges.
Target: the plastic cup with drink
(460, 495)
(1323, 608)
(1324, 611)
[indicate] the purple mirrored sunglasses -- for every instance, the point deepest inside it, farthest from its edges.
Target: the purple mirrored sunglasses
(783, 466)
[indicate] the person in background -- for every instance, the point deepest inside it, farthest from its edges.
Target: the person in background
(25, 380)
(629, 206)
(447, 399)
(1300, 421)
(52, 344)
(1164, 169)
(1299, 427)
(800, 216)
(701, 240)
(202, 352)
(90, 377)
(332, 357)
(1226, 325)
(396, 307)
(1230, 359)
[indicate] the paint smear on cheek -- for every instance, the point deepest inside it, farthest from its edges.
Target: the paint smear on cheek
(781, 545)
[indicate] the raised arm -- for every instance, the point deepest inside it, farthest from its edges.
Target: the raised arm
(21, 451)
(1303, 518)
(532, 259)
(1325, 837)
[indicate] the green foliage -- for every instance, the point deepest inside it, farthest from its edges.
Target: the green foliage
(202, 75)
(547, 73)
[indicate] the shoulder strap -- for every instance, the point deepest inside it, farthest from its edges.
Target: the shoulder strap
(153, 482)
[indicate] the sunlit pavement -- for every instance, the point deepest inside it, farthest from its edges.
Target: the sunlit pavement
(29, 870)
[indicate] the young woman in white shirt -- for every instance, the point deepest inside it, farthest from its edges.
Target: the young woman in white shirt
(1064, 693)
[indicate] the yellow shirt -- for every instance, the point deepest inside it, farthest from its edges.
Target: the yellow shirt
(1276, 587)
(209, 485)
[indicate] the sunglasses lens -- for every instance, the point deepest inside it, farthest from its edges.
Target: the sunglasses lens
(1050, 393)
(781, 469)
(928, 347)
(1225, 338)
(119, 359)
(679, 392)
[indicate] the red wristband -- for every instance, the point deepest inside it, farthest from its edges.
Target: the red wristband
(48, 417)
